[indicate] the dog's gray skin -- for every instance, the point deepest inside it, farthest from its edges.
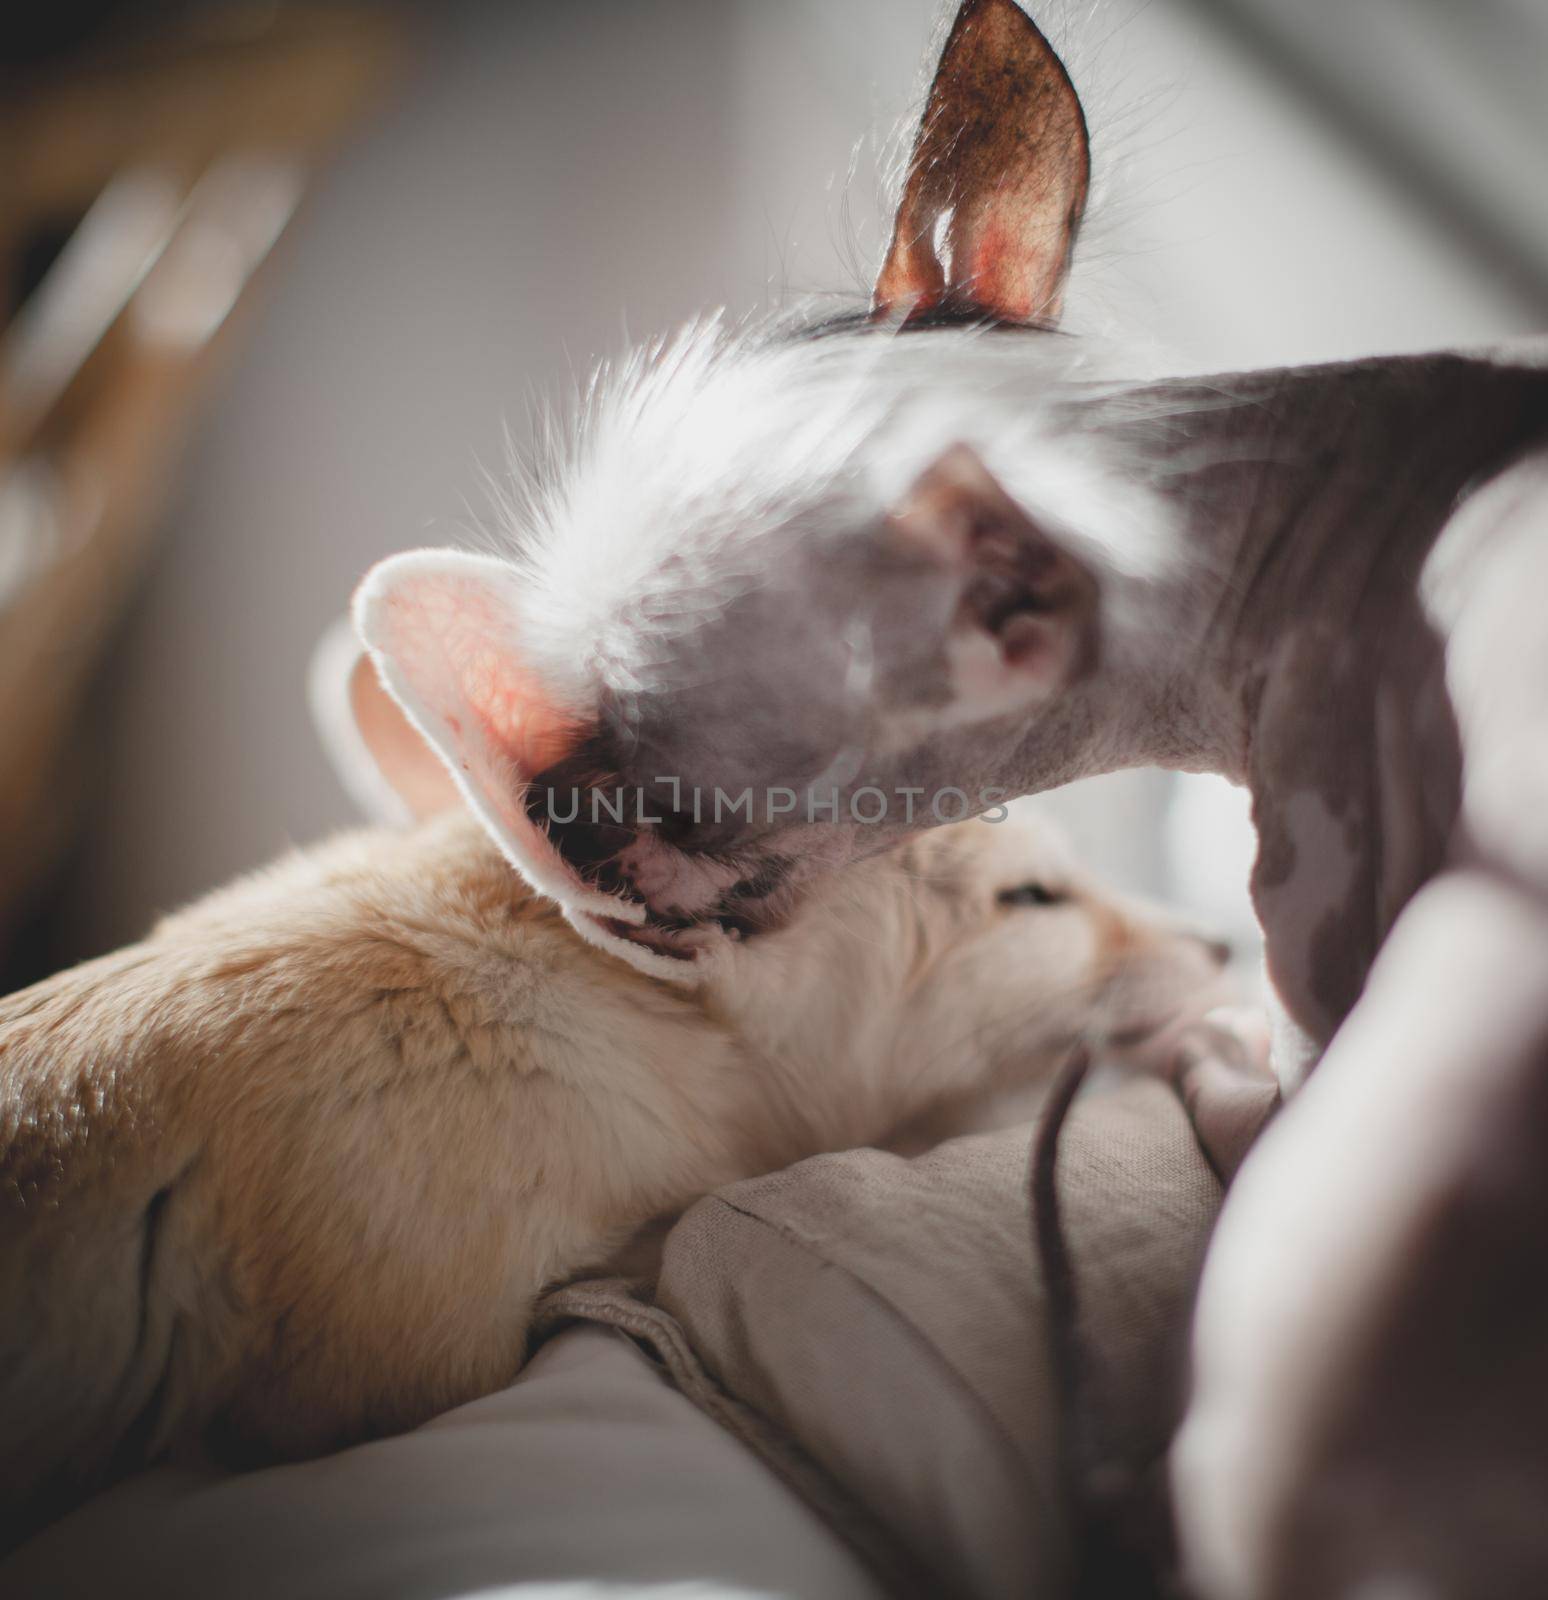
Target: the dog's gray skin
(1353, 631)
(1293, 653)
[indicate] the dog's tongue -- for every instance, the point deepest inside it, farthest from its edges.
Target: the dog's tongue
(675, 886)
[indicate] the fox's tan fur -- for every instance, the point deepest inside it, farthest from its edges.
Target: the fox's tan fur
(293, 1170)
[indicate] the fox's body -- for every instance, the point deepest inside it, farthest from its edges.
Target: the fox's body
(294, 1170)
(310, 1150)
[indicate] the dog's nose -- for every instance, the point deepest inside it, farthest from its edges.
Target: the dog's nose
(1218, 950)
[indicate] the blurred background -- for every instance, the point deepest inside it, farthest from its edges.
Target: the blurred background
(275, 279)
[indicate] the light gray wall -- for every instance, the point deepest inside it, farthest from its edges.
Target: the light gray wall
(557, 174)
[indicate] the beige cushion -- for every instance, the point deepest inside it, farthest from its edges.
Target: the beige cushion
(887, 1318)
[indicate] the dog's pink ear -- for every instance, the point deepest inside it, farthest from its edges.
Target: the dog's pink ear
(1025, 622)
(997, 181)
(448, 705)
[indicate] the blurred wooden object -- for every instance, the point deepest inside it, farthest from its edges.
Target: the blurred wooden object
(170, 166)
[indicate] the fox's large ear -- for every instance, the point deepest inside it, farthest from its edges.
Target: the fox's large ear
(997, 181)
(377, 755)
(449, 706)
(1024, 624)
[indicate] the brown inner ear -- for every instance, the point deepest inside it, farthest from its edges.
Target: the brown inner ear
(1003, 155)
(405, 760)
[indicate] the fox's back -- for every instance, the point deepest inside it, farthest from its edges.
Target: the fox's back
(267, 1167)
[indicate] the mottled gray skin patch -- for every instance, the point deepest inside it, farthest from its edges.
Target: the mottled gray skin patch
(1332, 485)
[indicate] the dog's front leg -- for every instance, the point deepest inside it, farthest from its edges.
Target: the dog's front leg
(1371, 1405)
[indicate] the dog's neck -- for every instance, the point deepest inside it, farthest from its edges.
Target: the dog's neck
(1306, 503)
